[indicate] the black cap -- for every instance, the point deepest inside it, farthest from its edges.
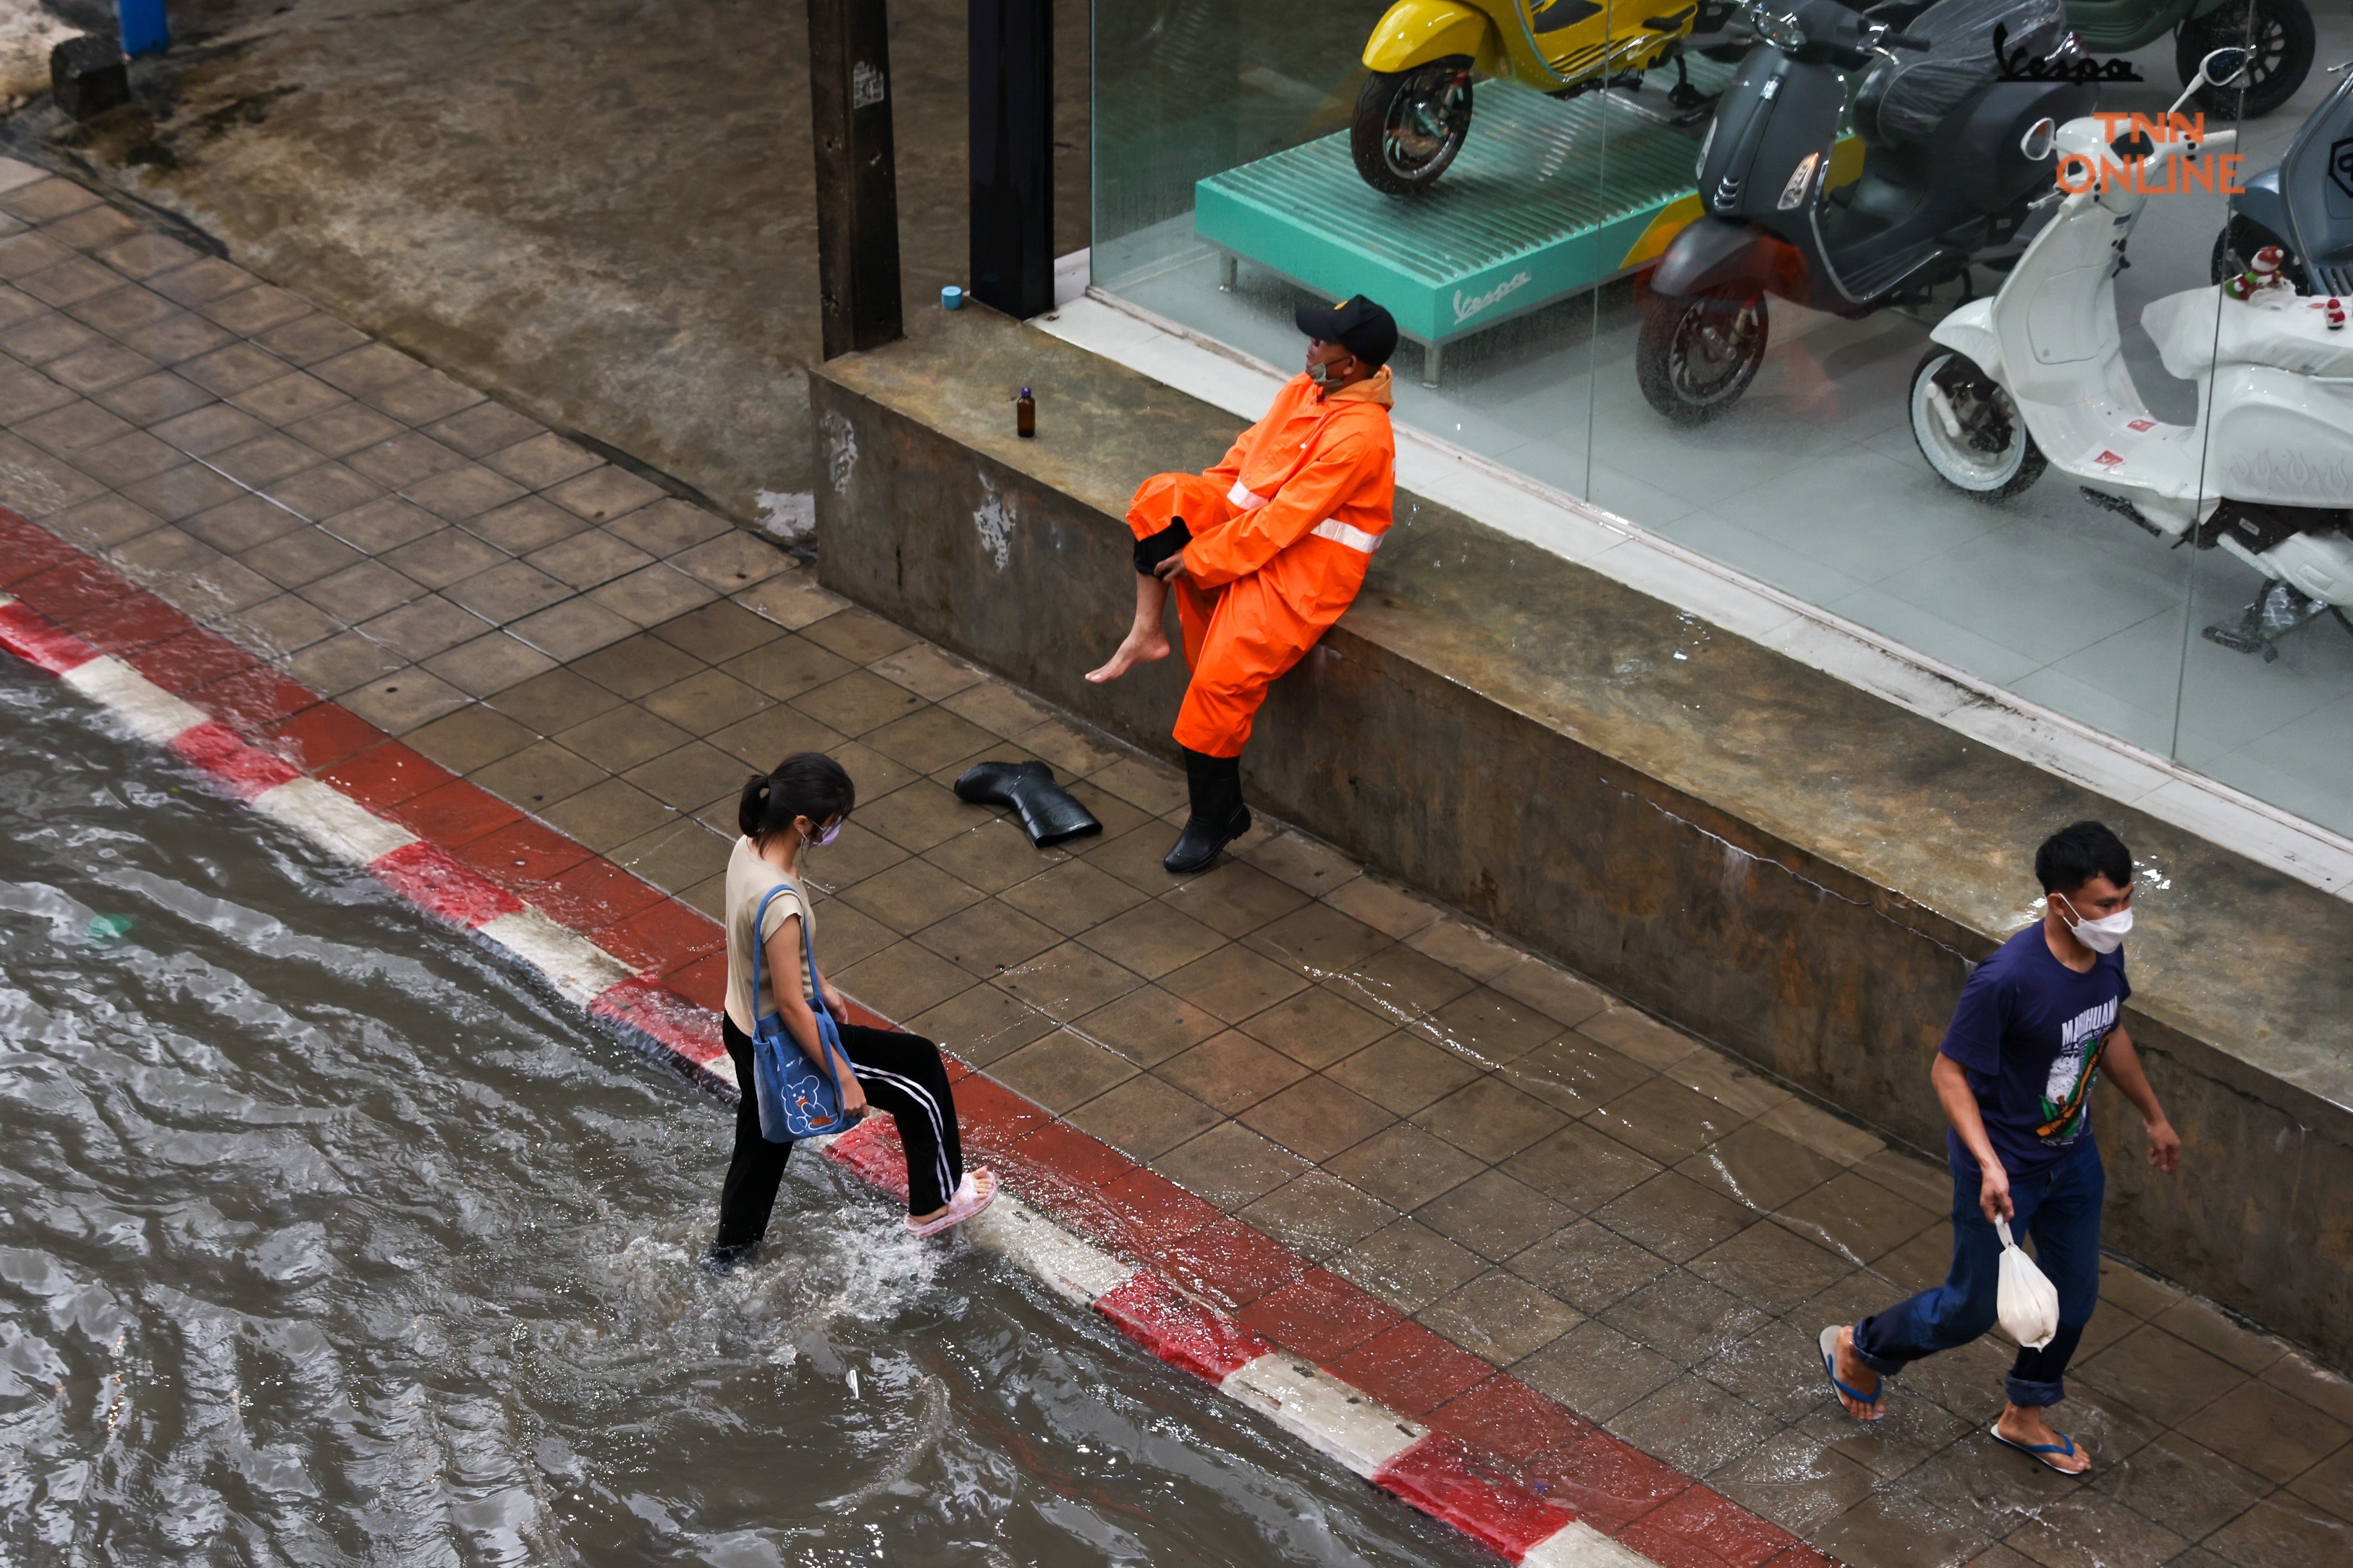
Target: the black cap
(1356, 324)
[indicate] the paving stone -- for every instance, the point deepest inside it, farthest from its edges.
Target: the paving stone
(323, 490)
(490, 664)
(342, 662)
(528, 525)
(1407, 1265)
(1229, 1166)
(652, 594)
(1589, 1267)
(42, 200)
(192, 488)
(206, 278)
(128, 458)
(101, 365)
(393, 457)
(103, 521)
(233, 368)
(1694, 1424)
(300, 556)
(1596, 1370)
(423, 627)
(1858, 1216)
(987, 938)
(68, 429)
(252, 312)
(1489, 1119)
(1144, 1117)
(68, 282)
(278, 628)
(363, 592)
(153, 398)
(906, 978)
(993, 854)
(1638, 1034)
(174, 338)
(609, 815)
(1775, 1368)
(370, 367)
(471, 738)
(980, 1024)
(306, 339)
(1494, 1215)
(1772, 1267)
(463, 494)
(140, 254)
(589, 559)
(1315, 1119)
(440, 559)
(680, 856)
(398, 703)
(540, 774)
(483, 428)
(692, 777)
(213, 428)
(510, 592)
(554, 701)
(42, 334)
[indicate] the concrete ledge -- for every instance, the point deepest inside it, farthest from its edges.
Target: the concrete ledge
(1791, 867)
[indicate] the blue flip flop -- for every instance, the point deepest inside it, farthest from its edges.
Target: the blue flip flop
(2041, 1452)
(1829, 1343)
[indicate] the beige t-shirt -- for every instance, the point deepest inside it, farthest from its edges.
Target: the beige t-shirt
(749, 877)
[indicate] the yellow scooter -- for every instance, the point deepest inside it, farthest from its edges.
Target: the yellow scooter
(1415, 108)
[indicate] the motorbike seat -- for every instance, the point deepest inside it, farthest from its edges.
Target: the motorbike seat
(1905, 98)
(2198, 331)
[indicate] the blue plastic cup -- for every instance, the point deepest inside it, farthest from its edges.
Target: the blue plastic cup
(950, 297)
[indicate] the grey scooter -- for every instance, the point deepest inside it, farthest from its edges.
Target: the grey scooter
(2305, 205)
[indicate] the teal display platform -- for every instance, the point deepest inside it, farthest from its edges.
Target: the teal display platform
(1547, 197)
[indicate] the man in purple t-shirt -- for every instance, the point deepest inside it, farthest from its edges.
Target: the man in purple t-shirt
(2037, 1023)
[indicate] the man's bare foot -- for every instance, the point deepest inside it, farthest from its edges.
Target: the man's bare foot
(1139, 647)
(2023, 1425)
(1859, 1377)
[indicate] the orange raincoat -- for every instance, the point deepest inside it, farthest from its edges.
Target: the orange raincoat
(1283, 531)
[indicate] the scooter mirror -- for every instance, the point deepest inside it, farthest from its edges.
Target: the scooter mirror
(2042, 140)
(2222, 68)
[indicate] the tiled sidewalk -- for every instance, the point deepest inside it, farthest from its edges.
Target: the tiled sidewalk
(1626, 1220)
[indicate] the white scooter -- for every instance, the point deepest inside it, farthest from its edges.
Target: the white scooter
(2036, 376)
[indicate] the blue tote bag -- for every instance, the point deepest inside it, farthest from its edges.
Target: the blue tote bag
(795, 1100)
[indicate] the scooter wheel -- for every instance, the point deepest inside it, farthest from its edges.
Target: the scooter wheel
(1409, 124)
(1697, 354)
(1970, 430)
(2280, 41)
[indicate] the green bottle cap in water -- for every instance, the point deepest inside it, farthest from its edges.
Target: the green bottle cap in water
(109, 928)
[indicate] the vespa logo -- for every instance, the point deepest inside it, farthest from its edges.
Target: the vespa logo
(2340, 165)
(2023, 67)
(1466, 308)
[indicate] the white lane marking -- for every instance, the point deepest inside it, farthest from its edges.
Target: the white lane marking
(331, 820)
(152, 713)
(575, 966)
(1353, 1427)
(1579, 1545)
(1077, 1269)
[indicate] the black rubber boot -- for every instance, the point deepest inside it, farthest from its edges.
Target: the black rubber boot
(1048, 815)
(1215, 785)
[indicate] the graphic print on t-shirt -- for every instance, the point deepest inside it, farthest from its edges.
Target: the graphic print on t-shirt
(2067, 1092)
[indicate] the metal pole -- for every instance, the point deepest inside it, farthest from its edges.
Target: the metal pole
(1012, 155)
(856, 179)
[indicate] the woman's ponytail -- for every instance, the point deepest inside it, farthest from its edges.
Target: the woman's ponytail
(807, 784)
(753, 810)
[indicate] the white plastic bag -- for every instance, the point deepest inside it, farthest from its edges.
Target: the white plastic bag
(2028, 1303)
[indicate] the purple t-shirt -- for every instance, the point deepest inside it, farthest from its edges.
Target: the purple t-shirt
(2030, 1030)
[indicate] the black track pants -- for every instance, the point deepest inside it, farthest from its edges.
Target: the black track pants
(901, 1074)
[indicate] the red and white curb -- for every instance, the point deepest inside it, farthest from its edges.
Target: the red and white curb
(1652, 1515)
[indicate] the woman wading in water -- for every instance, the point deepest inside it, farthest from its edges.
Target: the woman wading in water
(804, 802)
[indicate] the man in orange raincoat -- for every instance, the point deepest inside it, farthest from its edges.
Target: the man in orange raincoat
(1262, 554)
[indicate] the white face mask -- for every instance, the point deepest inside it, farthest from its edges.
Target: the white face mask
(2103, 935)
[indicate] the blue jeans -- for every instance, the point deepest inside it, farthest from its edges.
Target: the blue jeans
(2059, 1205)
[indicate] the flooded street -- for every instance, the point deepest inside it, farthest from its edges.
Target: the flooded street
(326, 1239)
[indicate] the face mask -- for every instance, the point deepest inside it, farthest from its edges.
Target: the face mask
(1321, 375)
(2103, 935)
(829, 835)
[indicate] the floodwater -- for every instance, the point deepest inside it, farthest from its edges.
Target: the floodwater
(326, 1239)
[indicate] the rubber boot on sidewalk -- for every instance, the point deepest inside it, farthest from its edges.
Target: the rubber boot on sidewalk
(1215, 785)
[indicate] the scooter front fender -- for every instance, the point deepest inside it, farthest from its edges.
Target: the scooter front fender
(1713, 252)
(1969, 330)
(1420, 32)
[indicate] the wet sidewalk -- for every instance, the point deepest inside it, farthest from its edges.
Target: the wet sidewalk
(1627, 1220)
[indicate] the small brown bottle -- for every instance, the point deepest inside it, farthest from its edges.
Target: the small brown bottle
(1025, 414)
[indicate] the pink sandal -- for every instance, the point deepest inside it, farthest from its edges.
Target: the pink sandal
(976, 1193)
